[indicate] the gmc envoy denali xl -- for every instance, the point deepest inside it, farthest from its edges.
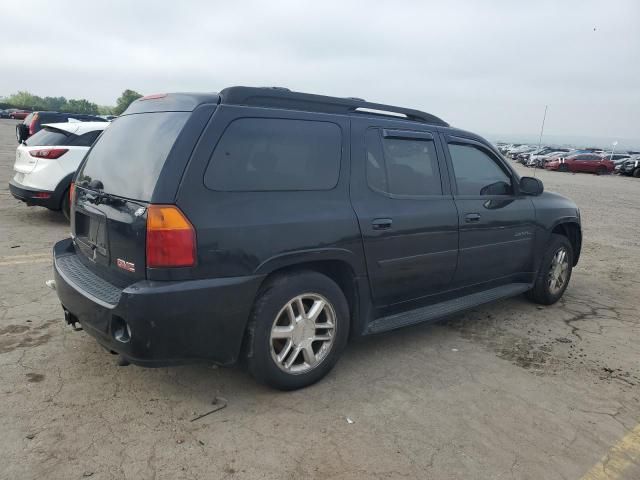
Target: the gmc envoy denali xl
(269, 226)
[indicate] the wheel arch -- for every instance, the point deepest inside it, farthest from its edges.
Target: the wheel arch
(340, 265)
(62, 188)
(573, 232)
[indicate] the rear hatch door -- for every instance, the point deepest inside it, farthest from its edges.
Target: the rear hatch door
(114, 186)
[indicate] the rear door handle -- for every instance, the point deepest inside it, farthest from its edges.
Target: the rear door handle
(381, 223)
(472, 217)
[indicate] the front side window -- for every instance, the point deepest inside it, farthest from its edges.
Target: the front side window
(402, 166)
(266, 154)
(477, 173)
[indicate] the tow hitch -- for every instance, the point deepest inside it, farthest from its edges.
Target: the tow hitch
(71, 320)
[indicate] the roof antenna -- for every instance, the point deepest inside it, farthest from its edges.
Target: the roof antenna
(535, 167)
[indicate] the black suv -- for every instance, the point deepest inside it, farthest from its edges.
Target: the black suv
(34, 121)
(272, 225)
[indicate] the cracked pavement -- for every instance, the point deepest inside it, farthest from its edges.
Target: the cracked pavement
(507, 391)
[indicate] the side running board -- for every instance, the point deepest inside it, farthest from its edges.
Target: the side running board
(444, 309)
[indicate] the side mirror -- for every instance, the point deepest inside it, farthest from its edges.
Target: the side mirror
(531, 186)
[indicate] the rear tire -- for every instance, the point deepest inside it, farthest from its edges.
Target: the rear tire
(601, 171)
(636, 172)
(555, 271)
(284, 326)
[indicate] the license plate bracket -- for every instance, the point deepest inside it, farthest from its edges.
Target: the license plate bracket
(91, 235)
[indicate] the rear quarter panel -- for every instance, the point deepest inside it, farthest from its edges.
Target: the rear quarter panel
(245, 233)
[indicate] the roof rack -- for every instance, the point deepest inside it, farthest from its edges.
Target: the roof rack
(279, 97)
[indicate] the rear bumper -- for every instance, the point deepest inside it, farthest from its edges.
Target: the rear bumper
(170, 323)
(41, 198)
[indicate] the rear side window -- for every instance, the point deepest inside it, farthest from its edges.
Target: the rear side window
(128, 158)
(266, 154)
(400, 166)
(49, 136)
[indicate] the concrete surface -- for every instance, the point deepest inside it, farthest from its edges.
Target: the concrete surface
(508, 391)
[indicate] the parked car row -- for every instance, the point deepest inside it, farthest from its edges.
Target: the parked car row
(589, 160)
(629, 166)
(14, 113)
(34, 121)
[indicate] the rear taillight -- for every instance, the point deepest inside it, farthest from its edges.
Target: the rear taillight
(49, 153)
(32, 125)
(72, 193)
(171, 239)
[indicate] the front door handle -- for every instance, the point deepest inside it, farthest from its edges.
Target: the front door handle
(472, 217)
(381, 223)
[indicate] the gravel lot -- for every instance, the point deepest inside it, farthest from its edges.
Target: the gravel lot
(507, 391)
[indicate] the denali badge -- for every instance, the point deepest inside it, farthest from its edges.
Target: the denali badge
(128, 266)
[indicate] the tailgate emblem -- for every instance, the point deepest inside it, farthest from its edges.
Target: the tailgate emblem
(128, 266)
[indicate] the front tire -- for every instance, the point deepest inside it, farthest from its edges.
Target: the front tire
(298, 328)
(636, 172)
(601, 171)
(555, 271)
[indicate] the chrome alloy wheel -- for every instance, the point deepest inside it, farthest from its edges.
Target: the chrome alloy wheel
(558, 271)
(302, 333)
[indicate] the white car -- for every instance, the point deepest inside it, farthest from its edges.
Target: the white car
(538, 160)
(45, 163)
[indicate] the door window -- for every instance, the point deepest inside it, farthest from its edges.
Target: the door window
(477, 173)
(399, 166)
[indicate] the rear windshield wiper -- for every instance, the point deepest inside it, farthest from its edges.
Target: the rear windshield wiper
(98, 195)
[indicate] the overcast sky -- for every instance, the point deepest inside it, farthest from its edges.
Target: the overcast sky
(487, 66)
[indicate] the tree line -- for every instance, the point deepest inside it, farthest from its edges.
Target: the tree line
(29, 101)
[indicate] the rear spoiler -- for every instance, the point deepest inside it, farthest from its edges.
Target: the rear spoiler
(171, 102)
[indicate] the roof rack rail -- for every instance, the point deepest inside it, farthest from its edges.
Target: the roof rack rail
(279, 97)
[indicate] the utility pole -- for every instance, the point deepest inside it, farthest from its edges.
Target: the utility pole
(613, 149)
(535, 167)
(542, 128)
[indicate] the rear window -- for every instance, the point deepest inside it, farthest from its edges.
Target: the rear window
(267, 154)
(49, 136)
(128, 157)
(27, 119)
(86, 139)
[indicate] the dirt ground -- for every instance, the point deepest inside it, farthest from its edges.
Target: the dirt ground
(507, 391)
